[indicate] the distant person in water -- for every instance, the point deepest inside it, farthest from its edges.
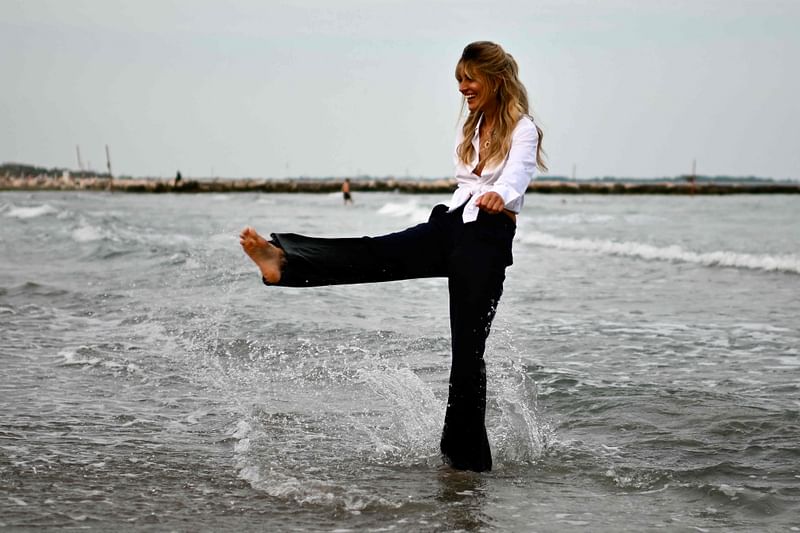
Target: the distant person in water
(468, 240)
(348, 198)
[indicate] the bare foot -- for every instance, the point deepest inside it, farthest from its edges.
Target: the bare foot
(268, 257)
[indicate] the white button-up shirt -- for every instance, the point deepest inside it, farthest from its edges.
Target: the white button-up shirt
(509, 178)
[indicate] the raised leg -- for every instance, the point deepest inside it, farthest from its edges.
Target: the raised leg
(417, 252)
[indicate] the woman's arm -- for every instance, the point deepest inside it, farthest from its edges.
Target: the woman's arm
(519, 170)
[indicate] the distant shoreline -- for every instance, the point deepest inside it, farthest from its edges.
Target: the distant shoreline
(418, 186)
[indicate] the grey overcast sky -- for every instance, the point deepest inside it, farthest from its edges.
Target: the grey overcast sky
(274, 88)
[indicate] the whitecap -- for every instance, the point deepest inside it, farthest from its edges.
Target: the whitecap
(773, 263)
(730, 492)
(71, 358)
(569, 219)
(242, 430)
(410, 210)
(87, 233)
(74, 358)
(31, 211)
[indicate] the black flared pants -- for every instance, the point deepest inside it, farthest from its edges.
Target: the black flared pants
(472, 256)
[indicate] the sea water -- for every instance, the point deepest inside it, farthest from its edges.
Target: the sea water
(643, 370)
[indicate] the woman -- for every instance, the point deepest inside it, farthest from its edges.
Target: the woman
(467, 241)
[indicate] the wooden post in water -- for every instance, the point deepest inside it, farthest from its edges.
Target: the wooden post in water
(691, 178)
(108, 165)
(108, 162)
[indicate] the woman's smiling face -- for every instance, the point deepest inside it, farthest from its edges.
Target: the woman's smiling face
(475, 91)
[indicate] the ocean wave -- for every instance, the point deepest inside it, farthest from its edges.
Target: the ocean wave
(410, 210)
(30, 211)
(570, 219)
(87, 233)
(117, 232)
(85, 357)
(772, 263)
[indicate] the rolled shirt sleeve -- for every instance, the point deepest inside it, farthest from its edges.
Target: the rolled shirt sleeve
(520, 166)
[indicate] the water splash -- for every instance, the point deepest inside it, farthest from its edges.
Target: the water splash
(416, 414)
(517, 431)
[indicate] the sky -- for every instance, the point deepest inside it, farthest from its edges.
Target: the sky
(278, 88)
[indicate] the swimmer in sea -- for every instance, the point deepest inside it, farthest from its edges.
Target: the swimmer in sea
(348, 198)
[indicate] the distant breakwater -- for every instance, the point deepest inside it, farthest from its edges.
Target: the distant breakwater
(328, 185)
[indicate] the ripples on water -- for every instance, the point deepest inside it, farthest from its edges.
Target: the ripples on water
(643, 370)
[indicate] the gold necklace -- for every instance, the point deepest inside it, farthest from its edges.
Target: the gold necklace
(488, 142)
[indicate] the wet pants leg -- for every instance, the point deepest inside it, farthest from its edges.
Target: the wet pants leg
(475, 283)
(417, 252)
(472, 256)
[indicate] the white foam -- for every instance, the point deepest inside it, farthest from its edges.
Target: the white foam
(72, 358)
(316, 492)
(730, 492)
(275, 479)
(87, 233)
(410, 210)
(774, 263)
(195, 416)
(30, 212)
(569, 219)
(243, 428)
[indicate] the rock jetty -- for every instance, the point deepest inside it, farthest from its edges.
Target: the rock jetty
(67, 182)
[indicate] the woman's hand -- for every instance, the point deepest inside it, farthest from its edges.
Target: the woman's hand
(491, 202)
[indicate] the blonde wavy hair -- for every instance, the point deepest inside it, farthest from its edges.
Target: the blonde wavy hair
(498, 71)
